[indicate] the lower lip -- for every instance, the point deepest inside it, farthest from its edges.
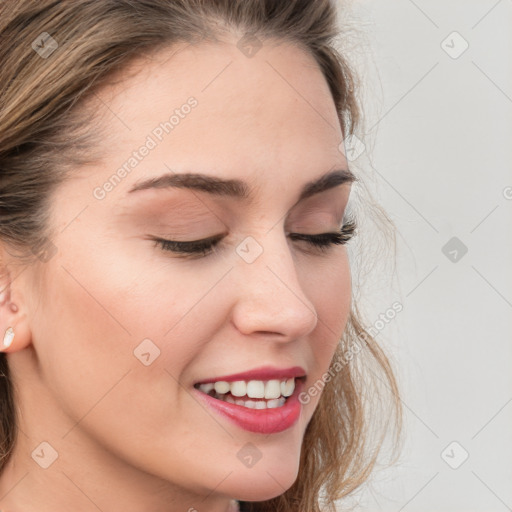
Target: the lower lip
(261, 421)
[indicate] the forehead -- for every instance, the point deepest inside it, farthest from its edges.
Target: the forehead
(233, 90)
(266, 116)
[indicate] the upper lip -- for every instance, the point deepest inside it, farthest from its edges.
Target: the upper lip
(262, 373)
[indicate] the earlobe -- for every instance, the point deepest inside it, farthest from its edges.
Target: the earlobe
(14, 330)
(8, 337)
(14, 335)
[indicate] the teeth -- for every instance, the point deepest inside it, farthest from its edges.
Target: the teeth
(273, 391)
(272, 404)
(206, 388)
(254, 404)
(255, 389)
(222, 387)
(238, 388)
(288, 387)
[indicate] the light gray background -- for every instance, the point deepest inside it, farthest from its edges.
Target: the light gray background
(438, 136)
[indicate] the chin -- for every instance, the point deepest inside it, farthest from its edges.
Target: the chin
(264, 483)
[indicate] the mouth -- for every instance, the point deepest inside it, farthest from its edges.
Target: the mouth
(252, 394)
(264, 401)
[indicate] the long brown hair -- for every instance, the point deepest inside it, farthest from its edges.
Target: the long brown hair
(44, 135)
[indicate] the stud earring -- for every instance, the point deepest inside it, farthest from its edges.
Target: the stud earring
(8, 337)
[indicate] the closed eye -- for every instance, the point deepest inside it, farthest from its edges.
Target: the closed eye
(202, 248)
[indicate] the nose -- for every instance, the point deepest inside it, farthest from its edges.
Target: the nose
(270, 296)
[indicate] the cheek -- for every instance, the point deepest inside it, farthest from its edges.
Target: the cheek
(94, 314)
(330, 290)
(102, 317)
(84, 345)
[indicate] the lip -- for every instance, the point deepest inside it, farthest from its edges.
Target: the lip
(261, 421)
(262, 373)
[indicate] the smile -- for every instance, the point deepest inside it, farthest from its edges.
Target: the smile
(263, 401)
(253, 394)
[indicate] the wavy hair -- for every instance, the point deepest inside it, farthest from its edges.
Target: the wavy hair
(44, 135)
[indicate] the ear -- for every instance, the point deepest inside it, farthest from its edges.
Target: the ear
(15, 333)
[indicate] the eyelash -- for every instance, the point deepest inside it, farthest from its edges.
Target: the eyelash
(200, 248)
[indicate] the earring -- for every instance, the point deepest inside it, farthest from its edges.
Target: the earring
(8, 337)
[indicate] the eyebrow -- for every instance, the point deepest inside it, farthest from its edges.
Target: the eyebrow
(237, 188)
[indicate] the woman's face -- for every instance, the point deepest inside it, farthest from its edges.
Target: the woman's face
(122, 329)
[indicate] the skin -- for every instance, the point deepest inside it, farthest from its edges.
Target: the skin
(132, 437)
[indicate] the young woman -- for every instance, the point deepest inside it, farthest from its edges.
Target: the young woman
(176, 307)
